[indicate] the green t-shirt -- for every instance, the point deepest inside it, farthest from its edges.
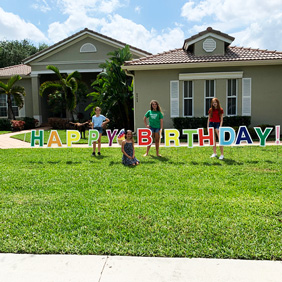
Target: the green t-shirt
(154, 118)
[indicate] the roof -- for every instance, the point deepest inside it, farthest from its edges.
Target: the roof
(232, 54)
(80, 33)
(208, 32)
(13, 70)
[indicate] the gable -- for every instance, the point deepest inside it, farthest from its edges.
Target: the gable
(208, 43)
(84, 52)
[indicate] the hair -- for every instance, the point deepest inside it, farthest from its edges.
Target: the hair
(126, 131)
(212, 108)
(97, 108)
(158, 106)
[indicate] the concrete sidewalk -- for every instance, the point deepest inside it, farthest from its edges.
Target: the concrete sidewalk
(74, 268)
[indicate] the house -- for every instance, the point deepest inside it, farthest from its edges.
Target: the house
(82, 52)
(247, 82)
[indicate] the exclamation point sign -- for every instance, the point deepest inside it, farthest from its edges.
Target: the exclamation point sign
(277, 130)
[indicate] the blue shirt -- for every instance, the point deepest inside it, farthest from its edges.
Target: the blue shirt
(97, 121)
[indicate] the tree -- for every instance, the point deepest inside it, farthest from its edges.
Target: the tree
(63, 89)
(14, 92)
(13, 52)
(113, 89)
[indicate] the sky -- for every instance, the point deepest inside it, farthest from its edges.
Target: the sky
(152, 25)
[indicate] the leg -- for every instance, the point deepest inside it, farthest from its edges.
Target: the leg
(99, 143)
(157, 143)
(220, 147)
(148, 147)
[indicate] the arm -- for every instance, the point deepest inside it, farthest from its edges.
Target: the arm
(162, 123)
(208, 121)
(145, 122)
(133, 154)
(123, 151)
(105, 122)
(221, 120)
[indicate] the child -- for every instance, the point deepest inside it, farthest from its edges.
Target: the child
(98, 121)
(127, 147)
(215, 120)
(155, 116)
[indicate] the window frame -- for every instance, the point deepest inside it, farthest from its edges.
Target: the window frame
(188, 98)
(15, 108)
(210, 97)
(232, 96)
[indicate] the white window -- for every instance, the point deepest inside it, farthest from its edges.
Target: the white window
(188, 99)
(4, 106)
(209, 94)
(232, 86)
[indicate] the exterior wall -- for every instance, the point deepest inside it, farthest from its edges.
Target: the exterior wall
(266, 93)
(26, 111)
(69, 57)
(219, 50)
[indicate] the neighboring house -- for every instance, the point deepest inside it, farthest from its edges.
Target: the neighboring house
(247, 81)
(82, 52)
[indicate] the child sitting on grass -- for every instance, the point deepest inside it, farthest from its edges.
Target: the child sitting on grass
(127, 147)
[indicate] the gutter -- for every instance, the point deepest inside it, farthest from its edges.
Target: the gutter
(131, 73)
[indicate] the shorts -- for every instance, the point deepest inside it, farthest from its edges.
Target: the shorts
(215, 125)
(100, 129)
(155, 130)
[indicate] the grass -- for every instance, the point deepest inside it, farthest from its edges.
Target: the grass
(4, 132)
(181, 205)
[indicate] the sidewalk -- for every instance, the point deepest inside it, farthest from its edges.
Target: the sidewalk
(9, 143)
(74, 268)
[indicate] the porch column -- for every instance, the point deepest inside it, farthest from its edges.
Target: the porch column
(36, 99)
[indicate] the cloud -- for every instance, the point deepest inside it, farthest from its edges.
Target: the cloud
(138, 9)
(43, 6)
(12, 27)
(255, 23)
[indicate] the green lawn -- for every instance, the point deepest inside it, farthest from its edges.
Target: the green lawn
(182, 205)
(4, 132)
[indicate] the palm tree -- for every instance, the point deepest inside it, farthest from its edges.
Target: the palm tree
(13, 92)
(113, 89)
(67, 85)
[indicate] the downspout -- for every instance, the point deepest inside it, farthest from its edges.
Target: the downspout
(128, 73)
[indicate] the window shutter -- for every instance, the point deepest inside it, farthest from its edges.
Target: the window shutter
(174, 98)
(246, 96)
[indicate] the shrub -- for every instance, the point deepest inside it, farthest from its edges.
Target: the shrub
(201, 122)
(5, 125)
(30, 122)
(17, 125)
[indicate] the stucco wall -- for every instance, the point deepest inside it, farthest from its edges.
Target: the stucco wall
(266, 92)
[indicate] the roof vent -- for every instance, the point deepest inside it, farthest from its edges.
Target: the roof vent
(88, 48)
(209, 45)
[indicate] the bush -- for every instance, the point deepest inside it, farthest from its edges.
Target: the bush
(5, 125)
(58, 123)
(17, 125)
(30, 122)
(201, 122)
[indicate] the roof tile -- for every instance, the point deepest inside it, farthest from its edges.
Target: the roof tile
(13, 70)
(179, 56)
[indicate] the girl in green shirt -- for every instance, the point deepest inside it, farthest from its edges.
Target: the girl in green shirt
(155, 117)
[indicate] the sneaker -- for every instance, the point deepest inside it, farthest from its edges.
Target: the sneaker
(213, 155)
(221, 157)
(93, 154)
(99, 153)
